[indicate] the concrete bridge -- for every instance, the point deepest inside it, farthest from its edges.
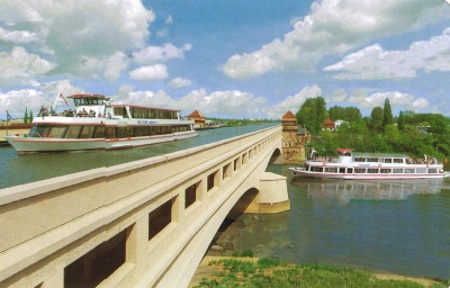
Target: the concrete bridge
(141, 224)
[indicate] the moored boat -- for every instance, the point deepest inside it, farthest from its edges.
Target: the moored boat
(370, 166)
(96, 123)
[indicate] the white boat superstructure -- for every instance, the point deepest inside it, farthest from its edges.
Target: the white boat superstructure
(370, 166)
(96, 123)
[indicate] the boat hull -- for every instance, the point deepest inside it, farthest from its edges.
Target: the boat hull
(38, 145)
(301, 172)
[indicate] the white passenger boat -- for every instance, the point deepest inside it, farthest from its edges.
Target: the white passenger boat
(370, 166)
(96, 123)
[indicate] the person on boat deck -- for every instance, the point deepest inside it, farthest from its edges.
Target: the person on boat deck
(91, 113)
(84, 113)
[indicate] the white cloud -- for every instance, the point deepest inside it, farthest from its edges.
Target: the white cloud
(43, 94)
(294, 102)
(334, 27)
(179, 82)
(373, 62)
(19, 65)
(152, 72)
(163, 53)
(231, 103)
(71, 30)
(18, 36)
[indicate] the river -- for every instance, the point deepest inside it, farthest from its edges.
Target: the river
(400, 227)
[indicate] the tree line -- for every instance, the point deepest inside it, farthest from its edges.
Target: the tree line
(411, 133)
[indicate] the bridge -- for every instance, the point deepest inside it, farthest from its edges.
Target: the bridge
(146, 223)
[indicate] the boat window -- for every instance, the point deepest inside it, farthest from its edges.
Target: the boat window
(342, 170)
(58, 131)
(32, 131)
(421, 170)
(398, 160)
(46, 130)
(316, 169)
(140, 131)
(397, 170)
(73, 132)
(432, 171)
(385, 170)
(359, 170)
(110, 132)
(331, 170)
(409, 170)
(360, 159)
(121, 132)
(130, 131)
(372, 159)
(37, 131)
(387, 160)
(121, 111)
(86, 132)
(372, 171)
(151, 114)
(99, 132)
(349, 170)
(165, 129)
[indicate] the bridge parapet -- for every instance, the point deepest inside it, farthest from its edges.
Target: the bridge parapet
(149, 216)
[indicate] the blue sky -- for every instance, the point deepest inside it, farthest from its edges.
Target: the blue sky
(227, 58)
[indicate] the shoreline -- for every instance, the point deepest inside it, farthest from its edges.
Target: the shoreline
(204, 271)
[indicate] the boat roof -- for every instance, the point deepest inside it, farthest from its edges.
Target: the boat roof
(379, 154)
(88, 95)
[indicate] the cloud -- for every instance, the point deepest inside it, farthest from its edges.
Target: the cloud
(294, 102)
(15, 101)
(19, 65)
(179, 82)
(373, 62)
(17, 37)
(163, 53)
(71, 31)
(152, 72)
(228, 104)
(334, 27)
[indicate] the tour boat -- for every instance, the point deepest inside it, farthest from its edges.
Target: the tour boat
(370, 166)
(96, 123)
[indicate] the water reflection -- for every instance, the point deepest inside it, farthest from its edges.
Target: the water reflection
(344, 191)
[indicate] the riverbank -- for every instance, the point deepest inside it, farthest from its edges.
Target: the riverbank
(215, 269)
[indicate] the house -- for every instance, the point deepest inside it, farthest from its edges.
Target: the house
(199, 119)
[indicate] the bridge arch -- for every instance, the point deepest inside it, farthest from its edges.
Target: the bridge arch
(158, 214)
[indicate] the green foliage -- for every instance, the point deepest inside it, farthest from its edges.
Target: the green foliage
(245, 253)
(274, 273)
(388, 118)
(312, 114)
(25, 117)
(379, 132)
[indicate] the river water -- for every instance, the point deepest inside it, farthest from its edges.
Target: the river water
(400, 227)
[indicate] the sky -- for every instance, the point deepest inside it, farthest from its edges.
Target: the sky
(227, 58)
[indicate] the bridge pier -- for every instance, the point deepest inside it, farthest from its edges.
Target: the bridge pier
(271, 198)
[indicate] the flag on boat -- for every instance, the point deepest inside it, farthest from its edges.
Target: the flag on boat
(8, 116)
(61, 96)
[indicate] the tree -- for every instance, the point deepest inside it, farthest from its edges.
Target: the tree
(30, 118)
(376, 118)
(312, 114)
(388, 118)
(401, 122)
(25, 117)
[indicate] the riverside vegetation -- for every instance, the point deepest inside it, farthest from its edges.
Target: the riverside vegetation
(410, 133)
(268, 272)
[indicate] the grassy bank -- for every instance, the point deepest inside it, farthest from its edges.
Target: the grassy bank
(267, 272)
